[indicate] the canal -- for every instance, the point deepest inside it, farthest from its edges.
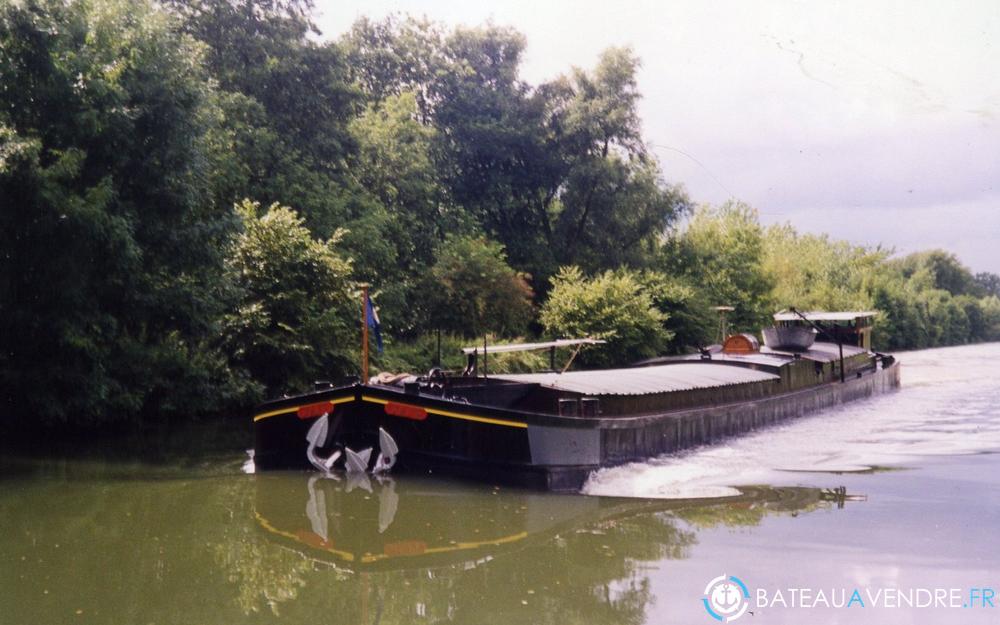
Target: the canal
(896, 499)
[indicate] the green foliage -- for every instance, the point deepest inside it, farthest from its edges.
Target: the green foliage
(936, 302)
(110, 274)
(722, 251)
(612, 306)
(263, 50)
(942, 270)
(394, 243)
(690, 321)
(419, 355)
(987, 284)
(423, 164)
(490, 143)
(898, 324)
(990, 308)
(558, 173)
(396, 55)
(286, 101)
(296, 317)
(612, 204)
(812, 272)
(395, 164)
(472, 290)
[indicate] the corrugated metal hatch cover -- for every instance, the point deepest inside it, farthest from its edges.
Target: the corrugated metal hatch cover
(644, 380)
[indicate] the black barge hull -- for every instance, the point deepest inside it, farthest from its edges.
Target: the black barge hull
(455, 437)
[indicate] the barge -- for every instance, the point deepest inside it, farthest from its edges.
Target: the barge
(551, 430)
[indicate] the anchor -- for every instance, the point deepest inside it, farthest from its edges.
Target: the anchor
(354, 461)
(317, 437)
(357, 461)
(387, 452)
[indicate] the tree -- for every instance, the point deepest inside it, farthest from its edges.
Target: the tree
(296, 318)
(690, 320)
(722, 251)
(111, 240)
(394, 242)
(490, 148)
(473, 291)
(612, 203)
(262, 49)
(988, 283)
(395, 56)
(899, 324)
(285, 101)
(612, 306)
(946, 272)
(990, 307)
(813, 272)
(558, 174)
(395, 164)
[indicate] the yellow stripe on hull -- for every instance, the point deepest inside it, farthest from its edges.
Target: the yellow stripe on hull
(273, 413)
(376, 400)
(455, 415)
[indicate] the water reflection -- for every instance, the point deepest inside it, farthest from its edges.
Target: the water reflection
(189, 548)
(418, 549)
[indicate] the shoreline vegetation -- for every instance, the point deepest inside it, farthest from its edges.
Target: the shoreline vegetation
(192, 192)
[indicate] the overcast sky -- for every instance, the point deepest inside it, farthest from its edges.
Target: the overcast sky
(875, 122)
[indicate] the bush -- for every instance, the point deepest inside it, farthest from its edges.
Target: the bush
(612, 306)
(297, 315)
(722, 250)
(473, 291)
(690, 319)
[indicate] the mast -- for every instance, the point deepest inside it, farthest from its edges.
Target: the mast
(723, 330)
(364, 334)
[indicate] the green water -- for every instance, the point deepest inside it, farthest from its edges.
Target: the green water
(183, 536)
(89, 544)
(82, 544)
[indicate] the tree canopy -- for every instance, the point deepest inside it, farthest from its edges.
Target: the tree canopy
(112, 239)
(140, 280)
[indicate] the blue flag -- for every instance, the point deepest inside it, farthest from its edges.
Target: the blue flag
(373, 322)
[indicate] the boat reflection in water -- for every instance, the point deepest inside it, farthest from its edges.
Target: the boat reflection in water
(411, 548)
(361, 524)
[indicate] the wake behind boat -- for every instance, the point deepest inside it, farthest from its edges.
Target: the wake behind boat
(551, 430)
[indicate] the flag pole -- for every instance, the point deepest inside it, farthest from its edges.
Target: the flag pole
(364, 334)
